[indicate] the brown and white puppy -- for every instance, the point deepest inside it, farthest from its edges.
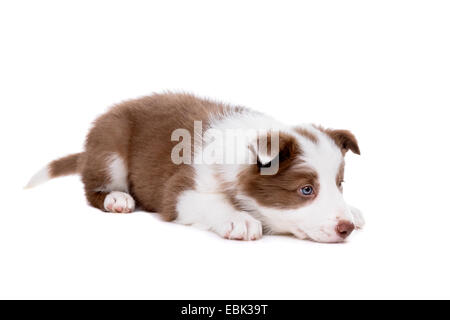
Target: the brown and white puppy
(172, 154)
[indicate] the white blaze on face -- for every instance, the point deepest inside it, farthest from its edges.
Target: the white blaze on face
(318, 219)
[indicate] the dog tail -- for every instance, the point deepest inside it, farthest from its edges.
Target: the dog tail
(61, 167)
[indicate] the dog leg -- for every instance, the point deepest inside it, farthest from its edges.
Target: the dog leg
(105, 180)
(211, 211)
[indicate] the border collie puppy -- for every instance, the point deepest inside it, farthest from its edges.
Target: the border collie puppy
(231, 170)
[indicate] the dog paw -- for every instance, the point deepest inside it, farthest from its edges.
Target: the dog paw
(358, 218)
(242, 226)
(119, 202)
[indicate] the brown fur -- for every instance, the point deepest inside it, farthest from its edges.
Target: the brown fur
(307, 134)
(340, 176)
(65, 166)
(231, 193)
(140, 132)
(280, 190)
(344, 139)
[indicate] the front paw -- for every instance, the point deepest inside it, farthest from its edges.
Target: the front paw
(358, 218)
(242, 226)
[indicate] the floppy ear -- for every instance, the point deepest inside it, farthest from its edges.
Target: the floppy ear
(273, 151)
(344, 139)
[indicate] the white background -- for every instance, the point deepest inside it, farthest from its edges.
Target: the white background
(378, 68)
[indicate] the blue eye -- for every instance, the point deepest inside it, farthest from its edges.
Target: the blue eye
(307, 190)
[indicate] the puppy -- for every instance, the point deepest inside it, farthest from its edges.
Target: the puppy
(231, 170)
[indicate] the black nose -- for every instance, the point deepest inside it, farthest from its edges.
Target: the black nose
(344, 228)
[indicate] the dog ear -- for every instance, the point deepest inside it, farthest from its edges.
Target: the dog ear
(344, 140)
(273, 150)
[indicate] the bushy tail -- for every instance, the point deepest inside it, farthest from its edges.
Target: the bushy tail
(57, 168)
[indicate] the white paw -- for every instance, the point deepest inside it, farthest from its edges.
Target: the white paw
(119, 202)
(241, 226)
(358, 218)
(300, 234)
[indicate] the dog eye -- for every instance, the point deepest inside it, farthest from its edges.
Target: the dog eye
(307, 190)
(340, 183)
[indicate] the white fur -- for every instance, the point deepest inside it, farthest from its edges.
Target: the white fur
(119, 202)
(206, 175)
(317, 220)
(357, 218)
(211, 211)
(118, 174)
(208, 208)
(40, 177)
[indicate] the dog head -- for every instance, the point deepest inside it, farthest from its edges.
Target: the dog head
(304, 195)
